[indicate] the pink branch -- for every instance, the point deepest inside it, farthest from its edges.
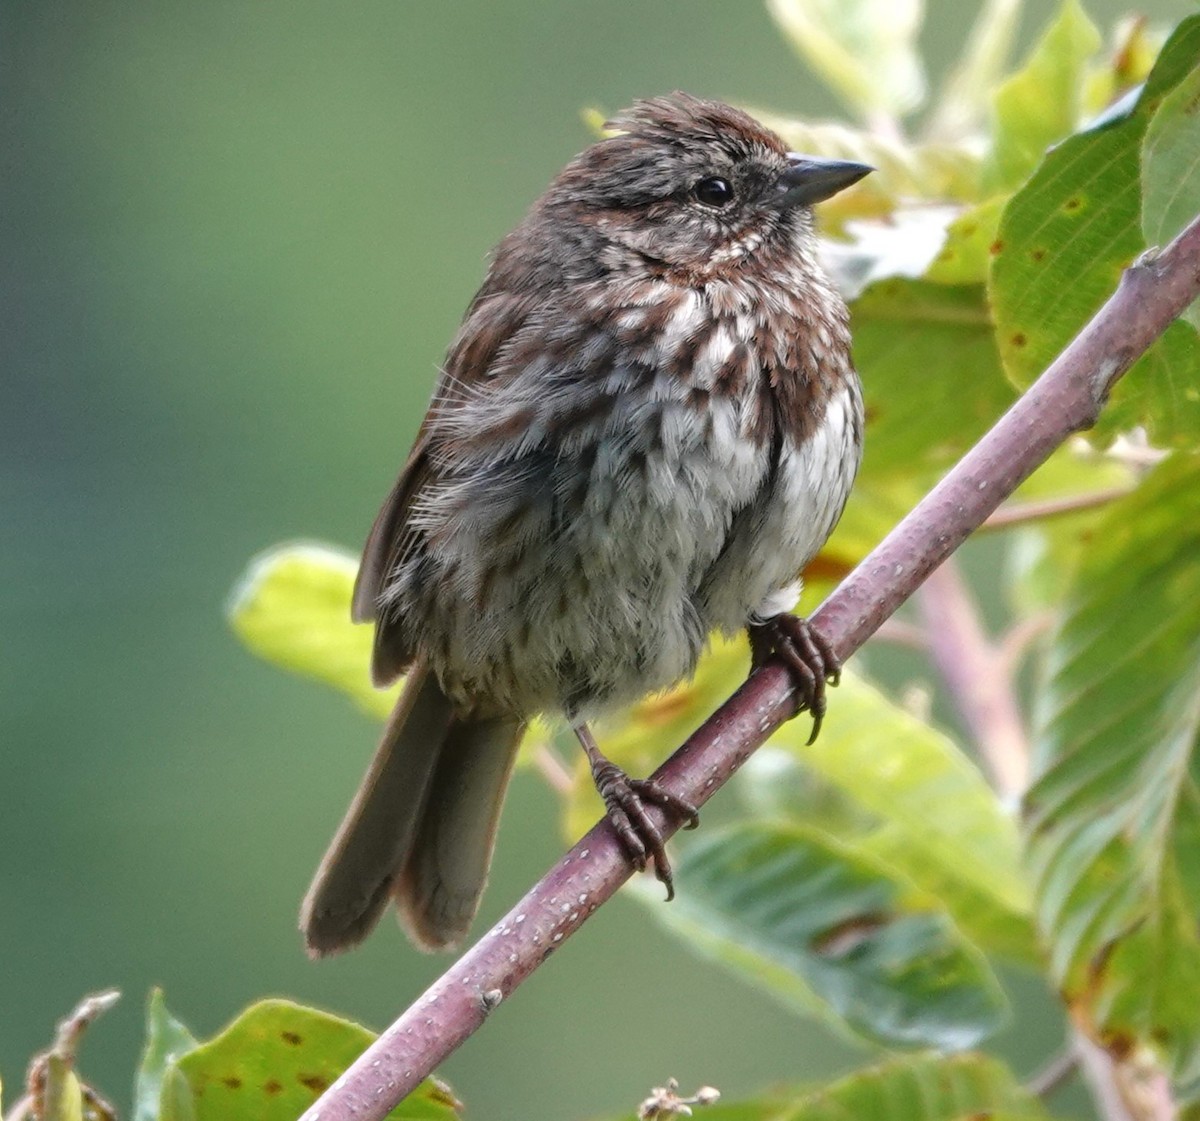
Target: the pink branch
(1066, 398)
(977, 674)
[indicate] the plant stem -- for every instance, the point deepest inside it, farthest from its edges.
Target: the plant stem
(1065, 399)
(1055, 1073)
(1132, 1089)
(976, 675)
(552, 769)
(1020, 513)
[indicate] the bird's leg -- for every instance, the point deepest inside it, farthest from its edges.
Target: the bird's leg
(624, 799)
(805, 651)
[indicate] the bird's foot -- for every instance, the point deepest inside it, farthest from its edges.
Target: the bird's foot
(806, 652)
(625, 800)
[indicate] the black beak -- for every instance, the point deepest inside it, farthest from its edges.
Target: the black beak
(809, 179)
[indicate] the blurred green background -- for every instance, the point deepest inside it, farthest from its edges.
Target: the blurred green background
(237, 237)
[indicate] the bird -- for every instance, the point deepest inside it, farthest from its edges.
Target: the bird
(646, 425)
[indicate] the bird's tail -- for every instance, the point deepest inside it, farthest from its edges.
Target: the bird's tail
(421, 827)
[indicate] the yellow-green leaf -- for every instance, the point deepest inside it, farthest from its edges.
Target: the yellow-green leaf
(63, 1096)
(1041, 103)
(966, 251)
(292, 607)
(276, 1058)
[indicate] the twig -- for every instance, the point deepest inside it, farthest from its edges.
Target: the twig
(1065, 399)
(552, 769)
(975, 673)
(1016, 641)
(1054, 1074)
(1134, 1088)
(1020, 513)
(900, 632)
(49, 1083)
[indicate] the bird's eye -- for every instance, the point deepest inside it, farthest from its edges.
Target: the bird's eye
(713, 191)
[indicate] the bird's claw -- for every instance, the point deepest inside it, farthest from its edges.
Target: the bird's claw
(806, 652)
(625, 799)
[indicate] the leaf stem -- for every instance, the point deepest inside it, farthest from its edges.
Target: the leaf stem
(1065, 399)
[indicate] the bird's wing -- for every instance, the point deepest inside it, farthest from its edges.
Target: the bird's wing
(491, 321)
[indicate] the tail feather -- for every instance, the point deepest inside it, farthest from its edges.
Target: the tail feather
(421, 828)
(439, 890)
(356, 875)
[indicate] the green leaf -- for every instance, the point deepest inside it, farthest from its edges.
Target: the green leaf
(292, 607)
(775, 785)
(988, 921)
(166, 1041)
(1171, 168)
(911, 775)
(277, 1057)
(1114, 819)
(922, 1088)
(1041, 103)
(1064, 239)
(834, 933)
(865, 50)
(920, 423)
(944, 827)
(925, 1088)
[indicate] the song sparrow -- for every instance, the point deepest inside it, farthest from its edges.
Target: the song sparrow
(647, 424)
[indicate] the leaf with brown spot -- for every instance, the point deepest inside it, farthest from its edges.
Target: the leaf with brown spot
(274, 1060)
(1084, 206)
